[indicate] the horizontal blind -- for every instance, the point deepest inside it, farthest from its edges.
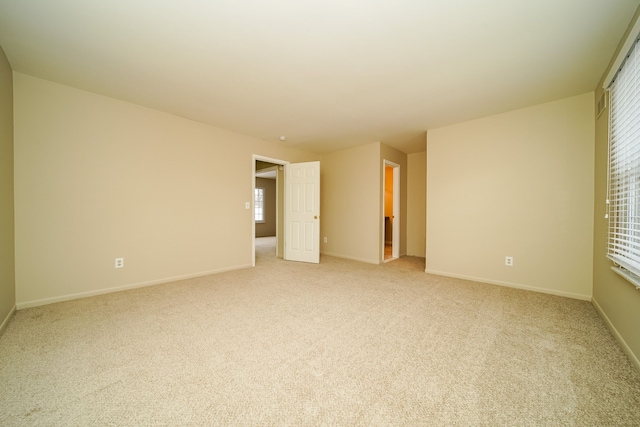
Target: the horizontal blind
(624, 166)
(258, 201)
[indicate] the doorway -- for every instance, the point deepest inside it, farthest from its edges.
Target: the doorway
(391, 211)
(273, 168)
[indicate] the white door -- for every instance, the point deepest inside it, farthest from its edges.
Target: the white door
(302, 212)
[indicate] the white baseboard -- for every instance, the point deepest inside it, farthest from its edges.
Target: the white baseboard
(512, 285)
(6, 320)
(625, 347)
(45, 301)
(368, 261)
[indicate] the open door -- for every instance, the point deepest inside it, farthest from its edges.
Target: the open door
(302, 212)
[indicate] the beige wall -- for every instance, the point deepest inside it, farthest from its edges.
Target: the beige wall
(416, 203)
(353, 199)
(98, 178)
(616, 299)
(7, 276)
(268, 227)
(350, 203)
(517, 184)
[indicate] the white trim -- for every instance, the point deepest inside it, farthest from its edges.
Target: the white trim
(45, 301)
(627, 275)
(368, 261)
(625, 347)
(624, 51)
(512, 285)
(6, 320)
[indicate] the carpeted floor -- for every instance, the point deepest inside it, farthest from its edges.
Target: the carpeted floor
(340, 343)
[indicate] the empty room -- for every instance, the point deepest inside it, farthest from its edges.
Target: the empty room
(320, 213)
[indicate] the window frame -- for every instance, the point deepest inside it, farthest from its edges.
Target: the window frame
(623, 174)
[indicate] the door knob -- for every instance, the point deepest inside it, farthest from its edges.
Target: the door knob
(315, 217)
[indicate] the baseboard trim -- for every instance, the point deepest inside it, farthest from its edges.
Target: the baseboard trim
(6, 320)
(512, 285)
(69, 297)
(368, 261)
(625, 347)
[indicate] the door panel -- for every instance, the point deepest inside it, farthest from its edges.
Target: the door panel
(302, 212)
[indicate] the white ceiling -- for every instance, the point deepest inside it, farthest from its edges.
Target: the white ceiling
(328, 74)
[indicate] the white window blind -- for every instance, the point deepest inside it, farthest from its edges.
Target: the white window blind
(258, 203)
(624, 169)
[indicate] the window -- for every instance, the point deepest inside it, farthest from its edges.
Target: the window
(623, 196)
(258, 203)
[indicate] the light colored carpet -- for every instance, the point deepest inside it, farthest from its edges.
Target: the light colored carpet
(339, 343)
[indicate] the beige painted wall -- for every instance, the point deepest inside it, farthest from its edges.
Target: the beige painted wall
(353, 199)
(400, 158)
(517, 184)
(268, 227)
(616, 299)
(350, 203)
(98, 178)
(7, 272)
(416, 203)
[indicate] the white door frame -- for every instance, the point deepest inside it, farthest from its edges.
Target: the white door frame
(395, 223)
(254, 158)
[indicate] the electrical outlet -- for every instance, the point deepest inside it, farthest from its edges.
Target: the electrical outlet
(325, 240)
(119, 262)
(508, 261)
